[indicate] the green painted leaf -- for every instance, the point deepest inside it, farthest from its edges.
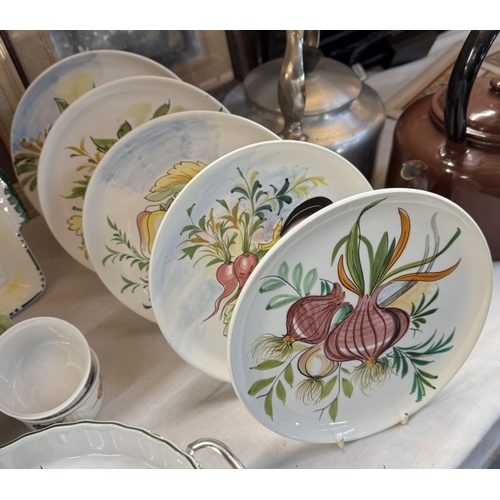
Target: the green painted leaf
(268, 404)
(297, 274)
(103, 145)
(267, 365)
(124, 129)
(288, 375)
(347, 388)
(328, 387)
(283, 270)
(281, 392)
(333, 409)
(271, 285)
(281, 300)
(310, 280)
(162, 110)
(61, 104)
(257, 386)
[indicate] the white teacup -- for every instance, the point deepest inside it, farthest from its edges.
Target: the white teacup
(45, 366)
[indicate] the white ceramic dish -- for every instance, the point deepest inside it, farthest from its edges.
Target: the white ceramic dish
(45, 366)
(312, 363)
(102, 445)
(56, 88)
(135, 184)
(21, 279)
(87, 408)
(84, 133)
(267, 183)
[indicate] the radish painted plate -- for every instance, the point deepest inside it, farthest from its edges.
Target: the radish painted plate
(137, 181)
(53, 91)
(222, 224)
(84, 133)
(358, 317)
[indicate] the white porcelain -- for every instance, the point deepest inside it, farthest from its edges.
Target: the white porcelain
(138, 179)
(21, 279)
(87, 408)
(312, 363)
(265, 182)
(84, 133)
(56, 88)
(45, 365)
(103, 445)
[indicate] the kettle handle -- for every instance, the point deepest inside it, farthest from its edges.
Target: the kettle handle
(465, 70)
(292, 87)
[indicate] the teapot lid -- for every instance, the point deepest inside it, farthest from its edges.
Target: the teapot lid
(329, 85)
(483, 110)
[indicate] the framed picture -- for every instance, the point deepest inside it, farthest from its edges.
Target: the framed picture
(436, 77)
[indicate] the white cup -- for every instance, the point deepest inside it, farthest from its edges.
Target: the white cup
(45, 367)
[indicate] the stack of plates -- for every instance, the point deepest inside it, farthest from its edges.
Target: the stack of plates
(335, 311)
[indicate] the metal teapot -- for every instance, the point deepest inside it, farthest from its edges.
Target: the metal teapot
(449, 143)
(305, 96)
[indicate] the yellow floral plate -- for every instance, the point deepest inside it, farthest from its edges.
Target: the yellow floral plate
(136, 182)
(87, 130)
(359, 316)
(53, 91)
(221, 226)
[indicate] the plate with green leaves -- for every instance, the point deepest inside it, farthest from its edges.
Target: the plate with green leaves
(84, 134)
(360, 316)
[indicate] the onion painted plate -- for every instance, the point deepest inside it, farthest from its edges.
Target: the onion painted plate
(219, 228)
(53, 91)
(135, 184)
(358, 317)
(84, 133)
(21, 278)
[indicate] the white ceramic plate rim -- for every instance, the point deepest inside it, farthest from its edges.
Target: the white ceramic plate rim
(126, 431)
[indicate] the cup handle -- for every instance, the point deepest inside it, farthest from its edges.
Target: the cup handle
(218, 447)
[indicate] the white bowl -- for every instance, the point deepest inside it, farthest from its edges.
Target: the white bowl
(86, 409)
(45, 365)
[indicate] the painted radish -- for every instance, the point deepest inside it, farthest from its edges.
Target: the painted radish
(226, 276)
(243, 266)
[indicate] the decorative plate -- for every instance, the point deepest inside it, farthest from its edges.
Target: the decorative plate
(21, 279)
(53, 91)
(358, 317)
(85, 132)
(222, 225)
(135, 184)
(93, 445)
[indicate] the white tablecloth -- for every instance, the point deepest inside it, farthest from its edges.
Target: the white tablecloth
(147, 385)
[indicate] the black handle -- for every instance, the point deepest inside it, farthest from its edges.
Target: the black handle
(462, 78)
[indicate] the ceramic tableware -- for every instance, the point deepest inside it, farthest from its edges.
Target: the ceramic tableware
(87, 408)
(104, 445)
(21, 279)
(219, 228)
(360, 316)
(135, 184)
(84, 133)
(45, 368)
(53, 91)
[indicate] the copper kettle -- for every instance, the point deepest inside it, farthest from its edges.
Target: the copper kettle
(449, 143)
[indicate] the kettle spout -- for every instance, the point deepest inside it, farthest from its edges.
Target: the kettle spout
(416, 173)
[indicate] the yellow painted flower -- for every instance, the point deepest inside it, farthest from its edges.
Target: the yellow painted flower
(75, 224)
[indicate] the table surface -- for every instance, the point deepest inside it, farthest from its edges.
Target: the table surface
(146, 384)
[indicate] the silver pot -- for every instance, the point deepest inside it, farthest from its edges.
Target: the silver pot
(305, 96)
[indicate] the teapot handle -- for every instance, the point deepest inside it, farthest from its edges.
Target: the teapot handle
(462, 78)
